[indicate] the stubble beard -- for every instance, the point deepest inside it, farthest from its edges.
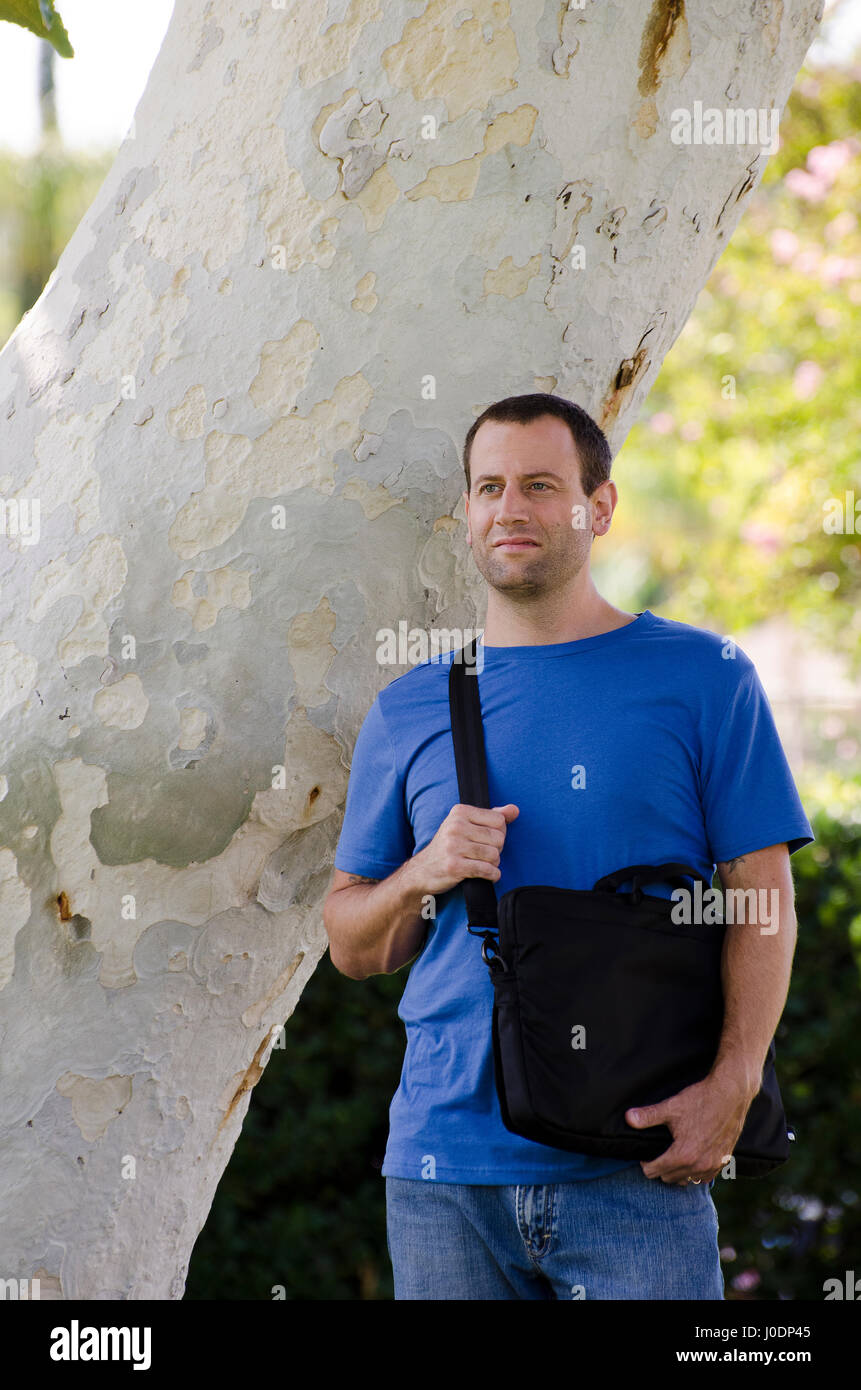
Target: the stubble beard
(542, 573)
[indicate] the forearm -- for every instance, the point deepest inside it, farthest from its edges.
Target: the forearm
(755, 972)
(375, 926)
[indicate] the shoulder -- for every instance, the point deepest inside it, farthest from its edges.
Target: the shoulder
(713, 660)
(425, 678)
(700, 641)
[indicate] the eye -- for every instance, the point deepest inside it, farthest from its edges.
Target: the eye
(485, 486)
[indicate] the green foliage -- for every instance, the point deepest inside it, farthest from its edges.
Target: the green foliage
(42, 19)
(752, 424)
(789, 1232)
(42, 199)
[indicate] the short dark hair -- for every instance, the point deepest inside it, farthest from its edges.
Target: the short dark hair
(589, 439)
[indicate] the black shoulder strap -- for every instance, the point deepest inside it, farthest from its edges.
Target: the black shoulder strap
(467, 734)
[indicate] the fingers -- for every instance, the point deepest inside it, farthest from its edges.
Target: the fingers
(480, 868)
(496, 816)
(469, 842)
(481, 829)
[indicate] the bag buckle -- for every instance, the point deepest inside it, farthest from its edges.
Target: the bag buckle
(490, 953)
(495, 961)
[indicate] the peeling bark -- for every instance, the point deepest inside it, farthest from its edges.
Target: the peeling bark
(222, 404)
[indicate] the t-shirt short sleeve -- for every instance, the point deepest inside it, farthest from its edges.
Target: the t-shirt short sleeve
(750, 800)
(376, 835)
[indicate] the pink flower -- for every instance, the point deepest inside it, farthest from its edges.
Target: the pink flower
(836, 268)
(691, 430)
(804, 185)
(748, 1279)
(841, 225)
(662, 422)
(807, 261)
(784, 245)
(765, 538)
(826, 161)
(806, 380)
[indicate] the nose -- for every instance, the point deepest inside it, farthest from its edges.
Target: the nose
(511, 505)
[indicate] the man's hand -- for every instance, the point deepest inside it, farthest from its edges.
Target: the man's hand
(705, 1121)
(468, 844)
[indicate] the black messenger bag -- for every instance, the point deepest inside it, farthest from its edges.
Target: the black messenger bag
(601, 1002)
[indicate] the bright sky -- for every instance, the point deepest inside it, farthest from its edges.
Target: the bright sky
(115, 43)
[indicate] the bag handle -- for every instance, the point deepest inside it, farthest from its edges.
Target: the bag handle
(648, 873)
(467, 734)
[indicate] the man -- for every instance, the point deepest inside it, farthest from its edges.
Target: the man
(612, 738)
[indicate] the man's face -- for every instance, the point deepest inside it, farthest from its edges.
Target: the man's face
(525, 487)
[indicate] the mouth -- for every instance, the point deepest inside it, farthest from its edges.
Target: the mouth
(515, 545)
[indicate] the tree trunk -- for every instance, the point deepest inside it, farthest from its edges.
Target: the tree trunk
(326, 246)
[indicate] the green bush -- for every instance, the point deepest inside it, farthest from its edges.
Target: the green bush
(801, 1225)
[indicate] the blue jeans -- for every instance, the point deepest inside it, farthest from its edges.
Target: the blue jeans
(619, 1236)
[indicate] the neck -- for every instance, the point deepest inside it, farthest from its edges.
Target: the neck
(516, 621)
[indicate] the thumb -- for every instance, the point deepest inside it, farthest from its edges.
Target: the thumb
(645, 1115)
(510, 811)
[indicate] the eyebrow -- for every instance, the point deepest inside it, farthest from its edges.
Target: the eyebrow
(498, 478)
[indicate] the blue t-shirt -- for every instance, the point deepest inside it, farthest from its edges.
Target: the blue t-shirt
(648, 744)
